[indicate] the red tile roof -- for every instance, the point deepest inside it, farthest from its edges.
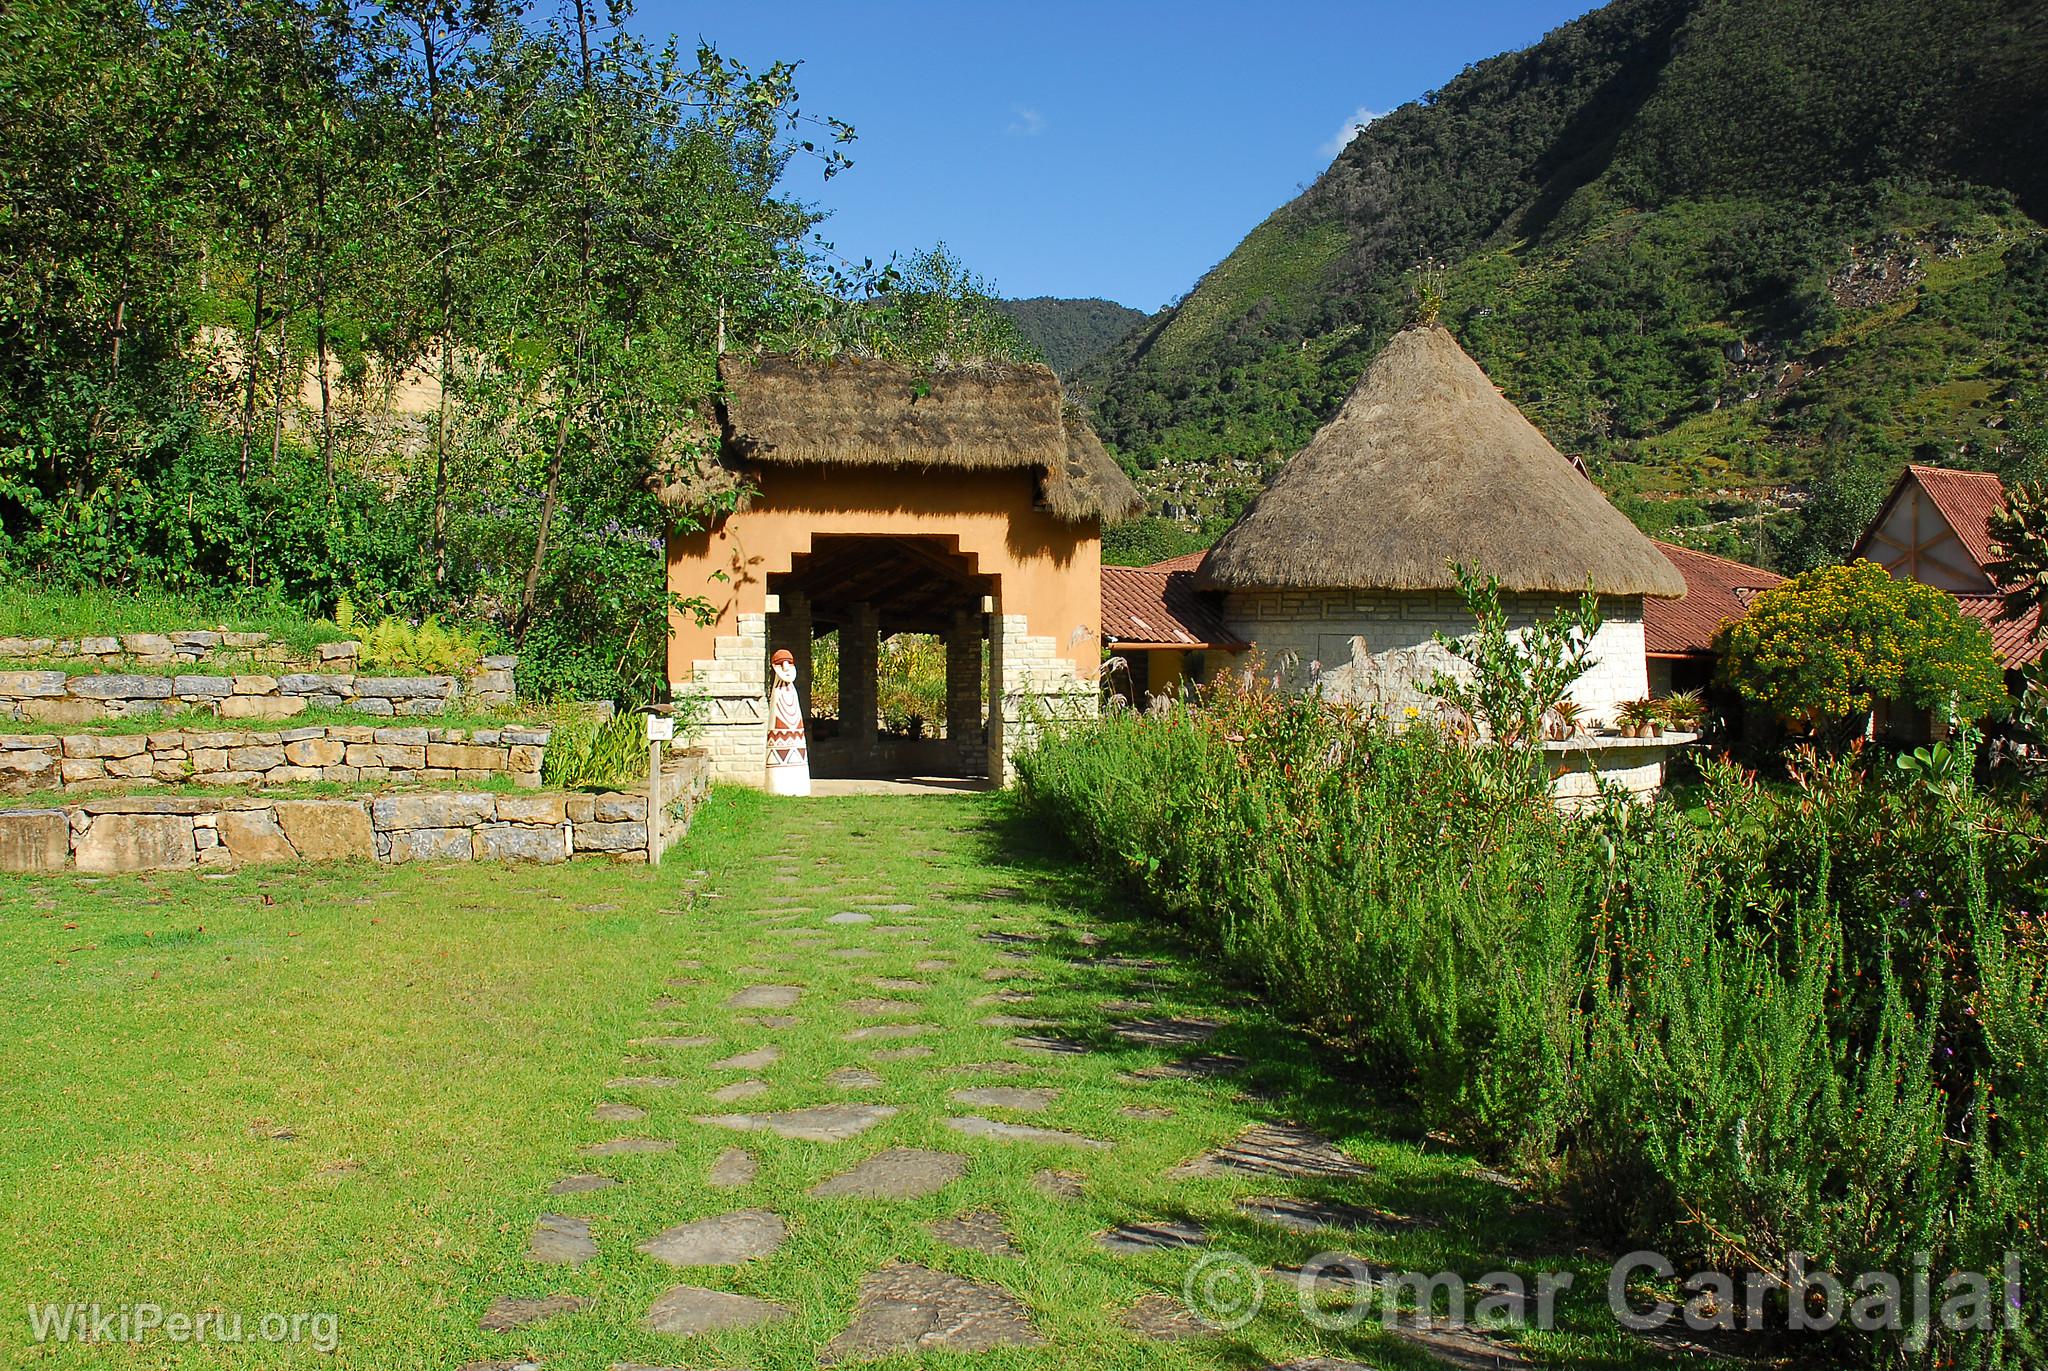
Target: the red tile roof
(1967, 499)
(1187, 561)
(1714, 591)
(2012, 639)
(1145, 607)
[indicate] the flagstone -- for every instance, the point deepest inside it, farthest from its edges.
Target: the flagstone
(1027, 1099)
(689, 1311)
(765, 997)
(613, 1112)
(1274, 1150)
(819, 1123)
(1164, 1319)
(974, 1126)
(619, 1147)
(739, 1090)
(911, 1309)
(581, 1182)
(508, 1313)
(853, 1078)
(561, 1240)
(731, 1169)
(900, 1173)
(722, 1240)
(980, 1231)
(889, 1030)
(750, 1061)
(1153, 1235)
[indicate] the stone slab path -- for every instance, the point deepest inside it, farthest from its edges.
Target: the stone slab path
(900, 1085)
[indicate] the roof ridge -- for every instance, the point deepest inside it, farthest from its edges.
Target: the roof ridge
(1717, 557)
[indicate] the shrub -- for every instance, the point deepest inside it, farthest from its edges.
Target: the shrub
(1809, 1018)
(1825, 646)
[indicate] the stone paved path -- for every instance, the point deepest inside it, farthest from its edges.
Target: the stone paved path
(897, 1095)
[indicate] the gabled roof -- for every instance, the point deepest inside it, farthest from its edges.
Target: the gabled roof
(1187, 561)
(1714, 592)
(1146, 607)
(1426, 466)
(2012, 639)
(1967, 499)
(1965, 502)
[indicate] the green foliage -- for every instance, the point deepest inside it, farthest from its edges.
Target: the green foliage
(596, 753)
(425, 648)
(1788, 1024)
(1147, 539)
(2019, 542)
(1070, 333)
(930, 311)
(1825, 646)
(41, 608)
(1514, 676)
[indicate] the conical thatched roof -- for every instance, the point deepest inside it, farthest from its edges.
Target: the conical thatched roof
(1425, 466)
(858, 411)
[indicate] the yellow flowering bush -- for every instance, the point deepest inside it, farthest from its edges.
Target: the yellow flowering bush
(1829, 644)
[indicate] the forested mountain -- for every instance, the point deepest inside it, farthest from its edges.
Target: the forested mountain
(1746, 258)
(1071, 333)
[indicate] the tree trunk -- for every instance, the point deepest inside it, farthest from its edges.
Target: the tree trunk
(320, 326)
(254, 346)
(284, 349)
(586, 250)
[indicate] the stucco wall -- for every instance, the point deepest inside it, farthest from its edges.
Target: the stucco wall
(1048, 571)
(1318, 625)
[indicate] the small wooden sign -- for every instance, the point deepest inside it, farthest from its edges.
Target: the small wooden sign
(660, 728)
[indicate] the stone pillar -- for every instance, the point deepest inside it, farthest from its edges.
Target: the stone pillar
(963, 692)
(998, 684)
(859, 680)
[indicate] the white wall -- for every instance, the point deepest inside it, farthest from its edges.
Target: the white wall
(1318, 625)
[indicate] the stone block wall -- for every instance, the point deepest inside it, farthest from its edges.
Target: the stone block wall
(489, 686)
(1318, 626)
(158, 833)
(354, 755)
(733, 684)
(1040, 683)
(51, 696)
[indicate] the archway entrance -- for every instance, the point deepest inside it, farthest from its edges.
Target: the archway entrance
(889, 609)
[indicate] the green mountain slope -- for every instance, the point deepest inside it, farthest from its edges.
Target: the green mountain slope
(1071, 333)
(1746, 258)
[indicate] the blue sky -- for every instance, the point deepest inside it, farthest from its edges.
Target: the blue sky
(1112, 149)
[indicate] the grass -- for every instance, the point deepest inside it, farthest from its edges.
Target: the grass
(347, 1088)
(29, 609)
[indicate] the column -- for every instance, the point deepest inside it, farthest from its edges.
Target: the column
(963, 692)
(859, 679)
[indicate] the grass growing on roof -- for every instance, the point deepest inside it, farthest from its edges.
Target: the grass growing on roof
(348, 1088)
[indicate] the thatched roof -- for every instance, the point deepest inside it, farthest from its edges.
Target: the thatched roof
(855, 411)
(1427, 465)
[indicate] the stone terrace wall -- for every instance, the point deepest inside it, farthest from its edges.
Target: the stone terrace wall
(491, 684)
(158, 833)
(54, 697)
(86, 761)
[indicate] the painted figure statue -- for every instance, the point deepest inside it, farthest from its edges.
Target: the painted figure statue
(789, 759)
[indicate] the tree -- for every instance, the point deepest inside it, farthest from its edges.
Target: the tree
(1824, 647)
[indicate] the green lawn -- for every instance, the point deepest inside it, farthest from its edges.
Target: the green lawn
(347, 1089)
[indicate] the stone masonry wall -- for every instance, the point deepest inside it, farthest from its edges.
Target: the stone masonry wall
(1318, 625)
(157, 833)
(47, 696)
(1039, 683)
(356, 755)
(734, 687)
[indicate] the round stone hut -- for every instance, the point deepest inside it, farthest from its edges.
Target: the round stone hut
(1349, 554)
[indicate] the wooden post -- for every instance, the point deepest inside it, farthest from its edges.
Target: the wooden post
(660, 728)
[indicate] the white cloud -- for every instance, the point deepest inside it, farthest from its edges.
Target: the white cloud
(1353, 126)
(1025, 122)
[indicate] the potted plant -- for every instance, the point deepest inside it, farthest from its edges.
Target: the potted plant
(1562, 721)
(1684, 710)
(1633, 718)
